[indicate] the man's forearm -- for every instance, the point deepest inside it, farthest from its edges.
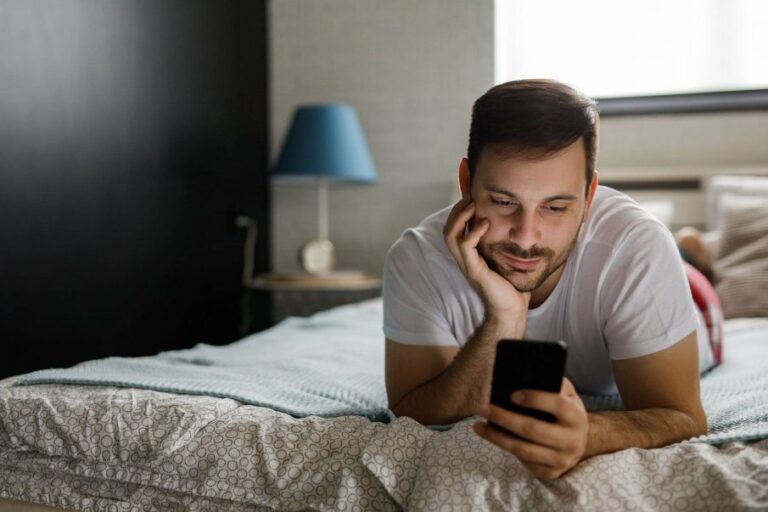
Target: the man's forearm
(611, 431)
(464, 385)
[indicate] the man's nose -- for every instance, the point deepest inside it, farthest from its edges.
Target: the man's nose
(525, 231)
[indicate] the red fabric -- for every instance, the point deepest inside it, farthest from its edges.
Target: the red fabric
(706, 300)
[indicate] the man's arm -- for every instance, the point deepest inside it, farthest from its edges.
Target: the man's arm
(423, 382)
(437, 385)
(661, 394)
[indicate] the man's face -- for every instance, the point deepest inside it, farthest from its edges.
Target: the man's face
(535, 207)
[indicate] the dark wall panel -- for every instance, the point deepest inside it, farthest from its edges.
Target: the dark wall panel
(131, 133)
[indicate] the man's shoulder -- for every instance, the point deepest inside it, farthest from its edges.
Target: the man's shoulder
(616, 219)
(423, 241)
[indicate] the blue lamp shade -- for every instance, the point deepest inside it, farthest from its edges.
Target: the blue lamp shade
(326, 141)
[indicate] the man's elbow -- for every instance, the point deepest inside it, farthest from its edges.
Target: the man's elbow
(404, 408)
(701, 425)
(698, 420)
(416, 410)
(394, 406)
(399, 407)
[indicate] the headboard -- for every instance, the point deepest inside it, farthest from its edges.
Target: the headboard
(691, 190)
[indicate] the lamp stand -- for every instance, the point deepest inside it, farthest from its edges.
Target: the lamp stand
(317, 256)
(322, 209)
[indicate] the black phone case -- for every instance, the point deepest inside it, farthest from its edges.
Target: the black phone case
(527, 364)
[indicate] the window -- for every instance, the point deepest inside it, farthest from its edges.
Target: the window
(621, 51)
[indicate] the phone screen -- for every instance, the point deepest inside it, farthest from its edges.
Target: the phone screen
(527, 364)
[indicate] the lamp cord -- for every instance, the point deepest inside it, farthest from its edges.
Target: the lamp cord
(249, 248)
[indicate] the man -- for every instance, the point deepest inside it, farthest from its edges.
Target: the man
(536, 249)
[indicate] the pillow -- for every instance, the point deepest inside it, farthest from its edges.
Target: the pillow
(742, 186)
(741, 266)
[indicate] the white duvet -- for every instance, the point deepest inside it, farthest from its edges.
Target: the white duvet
(97, 448)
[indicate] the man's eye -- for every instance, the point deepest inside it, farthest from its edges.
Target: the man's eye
(501, 202)
(556, 209)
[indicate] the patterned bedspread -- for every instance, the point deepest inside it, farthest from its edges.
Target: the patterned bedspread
(93, 448)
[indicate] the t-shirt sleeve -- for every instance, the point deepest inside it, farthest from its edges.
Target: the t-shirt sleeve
(413, 311)
(645, 302)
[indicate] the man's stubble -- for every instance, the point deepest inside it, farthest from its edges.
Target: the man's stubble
(552, 262)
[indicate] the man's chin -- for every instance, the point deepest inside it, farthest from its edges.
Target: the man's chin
(523, 281)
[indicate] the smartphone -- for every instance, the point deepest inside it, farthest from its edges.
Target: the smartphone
(527, 364)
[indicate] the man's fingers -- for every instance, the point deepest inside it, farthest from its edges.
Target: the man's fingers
(455, 226)
(543, 472)
(567, 388)
(476, 233)
(522, 449)
(527, 427)
(541, 400)
(468, 247)
(457, 208)
(561, 405)
(458, 217)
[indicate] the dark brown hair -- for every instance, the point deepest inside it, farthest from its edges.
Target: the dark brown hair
(534, 118)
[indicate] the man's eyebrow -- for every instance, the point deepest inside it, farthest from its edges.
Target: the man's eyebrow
(558, 197)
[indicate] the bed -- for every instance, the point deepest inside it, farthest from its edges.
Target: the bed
(295, 418)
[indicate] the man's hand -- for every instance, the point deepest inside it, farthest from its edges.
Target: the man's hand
(501, 299)
(548, 450)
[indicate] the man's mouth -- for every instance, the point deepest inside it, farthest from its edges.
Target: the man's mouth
(520, 264)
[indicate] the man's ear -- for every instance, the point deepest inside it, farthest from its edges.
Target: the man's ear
(590, 195)
(465, 180)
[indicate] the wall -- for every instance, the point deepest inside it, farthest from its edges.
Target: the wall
(412, 70)
(706, 139)
(130, 134)
(690, 147)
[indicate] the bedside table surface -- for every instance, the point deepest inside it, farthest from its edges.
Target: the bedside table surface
(340, 280)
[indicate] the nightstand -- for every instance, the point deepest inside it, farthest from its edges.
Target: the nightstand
(300, 294)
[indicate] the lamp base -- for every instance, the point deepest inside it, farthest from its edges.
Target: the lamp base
(317, 257)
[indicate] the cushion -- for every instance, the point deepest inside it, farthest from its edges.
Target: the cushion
(741, 266)
(742, 186)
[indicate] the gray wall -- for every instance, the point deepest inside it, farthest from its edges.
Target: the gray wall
(716, 139)
(413, 69)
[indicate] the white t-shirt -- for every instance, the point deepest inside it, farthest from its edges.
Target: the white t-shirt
(623, 292)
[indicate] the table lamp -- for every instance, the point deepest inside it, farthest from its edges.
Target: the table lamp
(325, 143)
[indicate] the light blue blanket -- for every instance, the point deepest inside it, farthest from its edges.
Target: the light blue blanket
(735, 394)
(332, 364)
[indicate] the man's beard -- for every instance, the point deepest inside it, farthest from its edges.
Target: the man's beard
(551, 261)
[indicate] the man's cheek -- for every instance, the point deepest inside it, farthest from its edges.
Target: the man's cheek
(487, 240)
(480, 217)
(494, 231)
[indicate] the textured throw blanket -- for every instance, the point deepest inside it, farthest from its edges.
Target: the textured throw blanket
(735, 394)
(332, 364)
